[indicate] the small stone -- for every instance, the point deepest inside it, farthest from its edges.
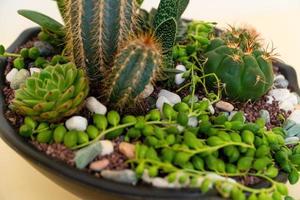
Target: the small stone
(297, 107)
(94, 106)
(179, 77)
(162, 183)
(225, 106)
(19, 79)
(127, 149)
(280, 94)
(122, 176)
(147, 91)
(172, 97)
(286, 106)
(77, 123)
(292, 98)
(291, 140)
(279, 76)
(281, 83)
(145, 177)
(11, 74)
(99, 165)
(295, 116)
(34, 70)
(193, 121)
(294, 131)
(107, 147)
(270, 99)
(85, 155)
(265, 115)
(161, 101)
(288, 124)
(44, 48)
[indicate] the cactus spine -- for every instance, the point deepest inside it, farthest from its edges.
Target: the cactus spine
(95, 29)
(137, 65)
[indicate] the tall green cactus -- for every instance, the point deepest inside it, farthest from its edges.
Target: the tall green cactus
(95, 29)
(137, 65)
(139, 62)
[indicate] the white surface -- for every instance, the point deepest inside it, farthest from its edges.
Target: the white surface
(277, 20)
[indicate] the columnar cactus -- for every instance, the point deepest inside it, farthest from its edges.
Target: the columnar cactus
(56, 92)
(241, 64)
(137, 65)
(95, 29)
(139, 62)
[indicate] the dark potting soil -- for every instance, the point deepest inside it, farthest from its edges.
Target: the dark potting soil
(118, 160)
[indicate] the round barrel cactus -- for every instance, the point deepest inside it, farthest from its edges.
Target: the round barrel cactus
(56, 92)
(240, 63)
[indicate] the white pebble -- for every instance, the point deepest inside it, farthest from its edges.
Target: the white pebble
(147, 91)
(94, 106)
(19, 79)
(286, 105)
(11, 74)
(162, 183)
(34, 70)
(270, 99)
(225, 106)
(291, 140)
(172, 97)
(193, 121)
(145, 177)
(280, 94)
(178, 77)
(77, 123)
(278, 77)
(295, 116)
(292, 98)
(107, 147)
(161, 101)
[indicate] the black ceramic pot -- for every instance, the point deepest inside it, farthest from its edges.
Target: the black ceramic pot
(83, 184)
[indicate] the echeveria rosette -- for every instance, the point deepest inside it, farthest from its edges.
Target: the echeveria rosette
(246, 73)
(54, 93)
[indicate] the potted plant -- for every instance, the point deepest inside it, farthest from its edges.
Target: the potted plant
(149, 105)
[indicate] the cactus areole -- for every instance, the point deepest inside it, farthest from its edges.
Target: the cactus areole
(247, 73)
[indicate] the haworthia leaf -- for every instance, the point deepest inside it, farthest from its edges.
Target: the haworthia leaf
(44, 21)
(166, 33)
(166, 9)
(181, 6)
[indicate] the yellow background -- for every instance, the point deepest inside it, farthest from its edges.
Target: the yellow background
(277, 20)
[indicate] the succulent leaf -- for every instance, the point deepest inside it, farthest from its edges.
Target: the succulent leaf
(166, 34)
(43, 98)
(44, 21)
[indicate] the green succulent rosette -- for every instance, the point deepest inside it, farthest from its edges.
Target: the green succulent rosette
(54, 93)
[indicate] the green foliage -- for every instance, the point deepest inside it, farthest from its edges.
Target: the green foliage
(240, 64)
(44, 21)
(56, 92)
